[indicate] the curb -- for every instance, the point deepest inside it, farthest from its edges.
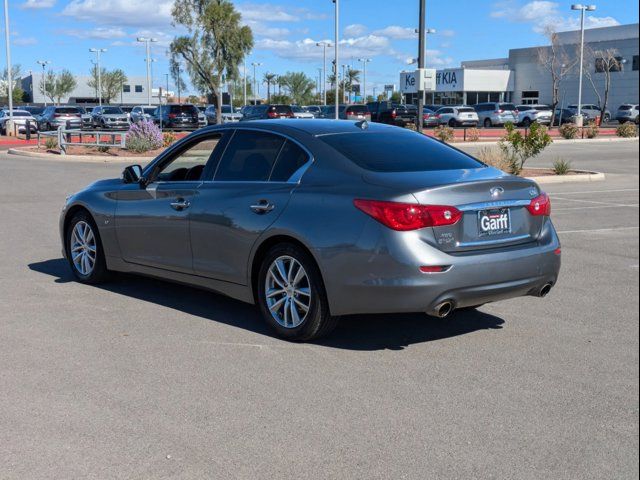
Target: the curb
(583, 176)
(77, 158)
(555, 141)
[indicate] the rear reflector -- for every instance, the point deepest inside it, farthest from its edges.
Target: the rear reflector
(540, 206)
(434, 268)
(409, 216)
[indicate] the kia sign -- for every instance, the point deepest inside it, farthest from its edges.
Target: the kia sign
(408, 82)
(420, 80)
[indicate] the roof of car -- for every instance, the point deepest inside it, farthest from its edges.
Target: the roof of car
(315, 127)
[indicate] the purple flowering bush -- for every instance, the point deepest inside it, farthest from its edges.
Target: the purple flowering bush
(143, 136)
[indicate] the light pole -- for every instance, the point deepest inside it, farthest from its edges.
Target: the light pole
(8, 50)
(244, 82)
(324, 46)
(364, 78)
(147, 41)
(255, 82)
(583, 9)
(44, 64)
(98, 51)
(337, 59)
(166, 95)
(423, 31)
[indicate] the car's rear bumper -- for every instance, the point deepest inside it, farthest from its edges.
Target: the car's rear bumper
(387, 279)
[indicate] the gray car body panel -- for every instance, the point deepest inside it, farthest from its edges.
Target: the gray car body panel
(366, 267)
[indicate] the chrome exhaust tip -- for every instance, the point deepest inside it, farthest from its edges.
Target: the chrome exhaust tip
(444, 309)
(544, 291)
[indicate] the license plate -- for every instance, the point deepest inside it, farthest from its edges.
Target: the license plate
(494, 222)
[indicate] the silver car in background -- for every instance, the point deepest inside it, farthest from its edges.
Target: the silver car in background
(142, 113)
(495, 114)
(528, 114)
(229, 115)
(64, 116)
(590, 110)
(314, 219)
(628, 113)
(299, 112)
(20, 119)
(109, 118)
(458, 116)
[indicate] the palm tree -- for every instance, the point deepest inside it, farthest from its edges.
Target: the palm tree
(351, 78)
(299, 86)
(269, 78)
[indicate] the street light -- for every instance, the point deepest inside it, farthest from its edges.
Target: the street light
(147, 41)
(583, 9)
(44, 64)
(337, 48)
(255, 82)
(364, 77)
(422, 58)
(8, 51)
(324, 46)
(98, 51)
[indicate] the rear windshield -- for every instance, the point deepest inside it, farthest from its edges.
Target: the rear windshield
(112, 110)
(399, 152)
(466, 110)
(226, 109)
(149, 110)
(67, 110)
(183, 109)
(280, 108)
(626, 107)
(19, 114)
(507, 106)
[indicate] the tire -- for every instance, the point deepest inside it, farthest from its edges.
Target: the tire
(526, 122)
(606, 118)
(637, 120)
(298, 292)
(78, 239)
(487, 123)
(452, 123)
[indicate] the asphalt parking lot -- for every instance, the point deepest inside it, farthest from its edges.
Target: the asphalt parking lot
(141, 379)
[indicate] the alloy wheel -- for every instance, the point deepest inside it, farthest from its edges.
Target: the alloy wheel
(288, 292)
(82, 248)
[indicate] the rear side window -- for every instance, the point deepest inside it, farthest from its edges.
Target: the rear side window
(291, 158)
(465, 110)
(626, 107)
(399, 152)
(249, 157)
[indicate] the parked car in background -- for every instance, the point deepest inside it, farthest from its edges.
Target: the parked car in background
(313, 109)
(429, 118)
(590, 110)
(349, 112)
(54, 117)
(564, 115)
(457, 116)
(229, 115)
(86, 118)
(494, 114)
(142, 112)
(323, 111)
(251, 211)
(391, 113)
(177, 116)
(20, 118)
(202, 119)
(109, 118)
(127, 110)
(267, 112)
(34, 110)
(628, 113)
(528, 114)
(299, 112)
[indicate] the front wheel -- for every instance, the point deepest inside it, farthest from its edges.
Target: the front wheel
(291, 295)
(84, 249)
(487, 123)
(526, 122)
(452, 123)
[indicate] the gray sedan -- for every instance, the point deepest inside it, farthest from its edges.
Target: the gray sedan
(315, 219)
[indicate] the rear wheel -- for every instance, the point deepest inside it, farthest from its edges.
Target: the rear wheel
(452, 123)
(291, 295)
(487, 123)
(526, 122)
(84, 249)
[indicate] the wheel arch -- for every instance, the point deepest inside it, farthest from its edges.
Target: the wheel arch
(69, 214)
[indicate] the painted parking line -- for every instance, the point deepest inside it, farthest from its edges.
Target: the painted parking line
(598, 230)
(597, 191)
(594, 202)
(564, 209)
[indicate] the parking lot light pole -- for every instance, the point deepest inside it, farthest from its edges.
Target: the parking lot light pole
(44, 64)
(421, 54)
(244, 82)
(364, 78)
(8, 50)
(147, 41)
(255, 82)
(324, 46)
(98, 51)
(583, 9)
(337, 59)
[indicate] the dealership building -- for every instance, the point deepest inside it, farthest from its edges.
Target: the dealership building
(520, 79)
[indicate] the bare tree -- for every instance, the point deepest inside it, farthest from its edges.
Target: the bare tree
(605, 62)
(558, 63)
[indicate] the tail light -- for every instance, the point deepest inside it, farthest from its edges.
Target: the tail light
(540, 206)
(173, 115)
(394, 114)
(437, 115)
(271, 114)
(57, 115)
(499, 111)
(408, 216)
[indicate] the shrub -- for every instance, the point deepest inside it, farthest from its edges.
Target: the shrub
(494, 157)
(168, 138)
(592, 130)
(627, 130)
(518, 149)
(568, 130)
(103, 149)
(561, 166)
(473, 134)
(50, 143)
(444, 133)
(143, 136)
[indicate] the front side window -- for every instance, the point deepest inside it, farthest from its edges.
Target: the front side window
(249, 157)
(188, 165)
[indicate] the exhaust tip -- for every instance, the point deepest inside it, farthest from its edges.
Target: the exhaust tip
(444, 309)
(544, 291)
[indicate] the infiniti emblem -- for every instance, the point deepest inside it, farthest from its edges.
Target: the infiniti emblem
(496, 191)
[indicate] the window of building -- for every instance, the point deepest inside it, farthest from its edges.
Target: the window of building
(611, 64)
(636, 59)
(530, 97)
(138, 88)
(126, 88)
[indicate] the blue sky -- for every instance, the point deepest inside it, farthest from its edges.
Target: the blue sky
(286, 31)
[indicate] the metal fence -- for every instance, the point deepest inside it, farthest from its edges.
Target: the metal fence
(67, 137)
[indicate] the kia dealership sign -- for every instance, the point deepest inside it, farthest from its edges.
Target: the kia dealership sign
(458, 80)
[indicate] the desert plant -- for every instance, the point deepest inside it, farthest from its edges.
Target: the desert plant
(568, 130)
(50, 143)
(103, 148)
(473, 134)
(627, 130)
(494, 157)
(592, 130)
(518, 148)
(561, 166)
(444, 133)
(143, 136)
(168, 138)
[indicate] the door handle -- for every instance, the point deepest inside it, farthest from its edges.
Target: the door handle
(180, 204)
(263, 206)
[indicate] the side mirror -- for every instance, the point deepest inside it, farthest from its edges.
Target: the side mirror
(132, 174)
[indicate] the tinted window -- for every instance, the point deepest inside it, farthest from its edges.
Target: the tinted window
(249, 157)
(149, 110)
(465, 110)
(67, 110)
(226, 109)
(543, 108)
(281, 109)
(626, 107)
(112, 110)
(189, 164)
(291, 158)
(189, 109)
(357, 109)
(507, 106)
(399, 152)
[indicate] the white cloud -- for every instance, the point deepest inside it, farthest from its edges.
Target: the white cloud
(446, 33)
(265, 12)
(355, 30)
(140, 13)
(25, 41)
(397, 32)
(100, 33)
(37, 4)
